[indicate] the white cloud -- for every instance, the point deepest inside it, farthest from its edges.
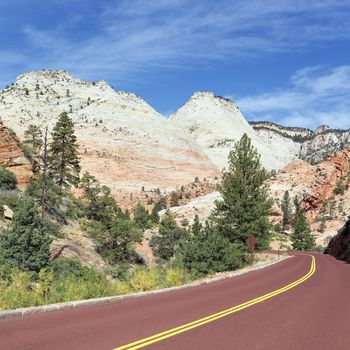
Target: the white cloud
(136, 36)
(316, 95)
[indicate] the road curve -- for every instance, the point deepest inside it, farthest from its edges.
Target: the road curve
(314, 314)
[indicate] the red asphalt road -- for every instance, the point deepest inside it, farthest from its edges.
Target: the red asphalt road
(313, 315)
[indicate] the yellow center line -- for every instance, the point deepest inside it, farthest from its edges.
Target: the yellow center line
(188, 326)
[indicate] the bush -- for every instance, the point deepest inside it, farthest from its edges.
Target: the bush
(210, 252)
(26, 243)
(142, 279)
(8, 180)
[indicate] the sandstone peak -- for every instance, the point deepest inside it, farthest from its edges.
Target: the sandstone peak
(321, 129)
(216, 123)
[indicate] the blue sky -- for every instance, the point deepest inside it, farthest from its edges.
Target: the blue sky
(283, 61)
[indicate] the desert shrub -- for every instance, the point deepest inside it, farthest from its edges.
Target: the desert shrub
(176, 276)
(142, 279)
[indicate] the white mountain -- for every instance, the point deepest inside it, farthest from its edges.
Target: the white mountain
(216, 123)
(123, 140)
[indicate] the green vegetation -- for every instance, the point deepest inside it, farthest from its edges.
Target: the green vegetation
(245, 206)
(25, 244)
(8, 179)
(286, 209)
(207, 252)
(64, 164)
(33, 138)
(170, 236)
(301, 237)
(66, 280)
(27, 275)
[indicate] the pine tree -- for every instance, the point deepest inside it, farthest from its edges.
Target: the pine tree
(142, 217)
(26, 243)
(286, 209)
(196, 226)
(33, 138)
(99, 205)
(64, 166)
(245, 206)
(170, 236)
(301, 237)
(157, 207)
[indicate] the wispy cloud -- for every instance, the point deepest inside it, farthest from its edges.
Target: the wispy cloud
(315, 96)
(130, 37)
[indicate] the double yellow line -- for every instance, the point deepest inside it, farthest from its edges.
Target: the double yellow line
(188, 326)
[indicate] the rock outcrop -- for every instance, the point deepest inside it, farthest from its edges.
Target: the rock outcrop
(339, 245)
(12, 156)
(315, 185)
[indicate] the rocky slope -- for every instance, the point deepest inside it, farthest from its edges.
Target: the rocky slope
(216, 123)
(311, 146)
(324, 190)
(123, 140)
(11, 156)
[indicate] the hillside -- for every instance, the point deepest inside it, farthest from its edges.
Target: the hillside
(123, 140)
(323, 188)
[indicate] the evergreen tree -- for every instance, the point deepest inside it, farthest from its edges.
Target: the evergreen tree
(301, 237)
(286, 209)
(169, 238)
(33, 138)
(26, 243)
(245, 206)
(117, 239)
(157, 207)
(142, 217)
(99, 205)
(64, 166)
(196, 226)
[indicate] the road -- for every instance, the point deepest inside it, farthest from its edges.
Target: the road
(312, 314)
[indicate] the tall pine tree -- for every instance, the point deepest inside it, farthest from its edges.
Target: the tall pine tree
(33, 138)
(286, 209)
(63, 165)
(301, 237)
(245, 206)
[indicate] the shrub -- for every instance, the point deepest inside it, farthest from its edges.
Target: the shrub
(210, 252)
(176, 276)
(143, 279)
(8, 179)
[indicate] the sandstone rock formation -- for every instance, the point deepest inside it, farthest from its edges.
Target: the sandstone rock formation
(216, 123)
(12, 156)
(76, 244)
(339, 246)
(123, 140)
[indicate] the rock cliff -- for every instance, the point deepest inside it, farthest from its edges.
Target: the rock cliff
(11, 156)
